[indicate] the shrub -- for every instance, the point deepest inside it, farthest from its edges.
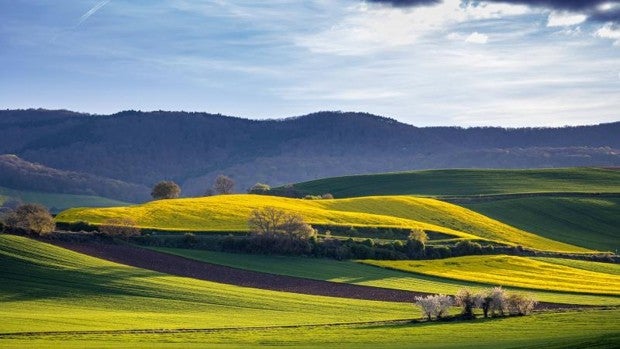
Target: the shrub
(327, 196)
(466, 247)
(259, 188)
(119, 227)
(519, 304)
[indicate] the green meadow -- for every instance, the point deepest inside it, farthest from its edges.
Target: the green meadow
(47, 288)
(592, 222)
(373, 274)
(575, 329)
(468, 182)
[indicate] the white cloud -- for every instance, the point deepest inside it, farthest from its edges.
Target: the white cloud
(606, 6)
(477, 38)
(368, 29)
(565, 19)
(609, 31)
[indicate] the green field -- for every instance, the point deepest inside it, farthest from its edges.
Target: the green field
(58, 202)
(231, 212)
(360, 274)
(468, 182)
(47, 288)
(583, 329)
(513, 271)
(589, 222)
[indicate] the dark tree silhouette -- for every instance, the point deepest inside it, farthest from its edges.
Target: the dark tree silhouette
(166, 190)
(223, 185)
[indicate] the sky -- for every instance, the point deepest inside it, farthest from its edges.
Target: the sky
(511, 63)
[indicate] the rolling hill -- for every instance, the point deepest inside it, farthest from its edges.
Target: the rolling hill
(463, 182)
(48, 288)
(16, 173)
(53, 297)
(592, 222)
(193, 148)
(57, 202)
(578, 206)
(231, 212)
(513, 271)
(358, 273)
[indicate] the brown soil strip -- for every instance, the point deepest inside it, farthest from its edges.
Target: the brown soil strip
(181, 266)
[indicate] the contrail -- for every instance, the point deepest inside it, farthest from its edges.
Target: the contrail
(92, 11)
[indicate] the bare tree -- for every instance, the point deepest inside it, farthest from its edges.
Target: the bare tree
(270, 220)
(31, 217)
(166, 190)
(223, 185)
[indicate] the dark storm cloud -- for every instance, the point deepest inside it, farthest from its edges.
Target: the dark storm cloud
(588, 7)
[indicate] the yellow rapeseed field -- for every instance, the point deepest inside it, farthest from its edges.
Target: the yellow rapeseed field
(231, 212)
(512, 271)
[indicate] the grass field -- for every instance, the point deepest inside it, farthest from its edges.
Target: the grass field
(47, 288)
(230, 213)
(589, 222)
(513, 271)
(361, 274)
(468, 182)
(584, 329)
(58, 202)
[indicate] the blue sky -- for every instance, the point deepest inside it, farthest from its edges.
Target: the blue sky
(514, 63)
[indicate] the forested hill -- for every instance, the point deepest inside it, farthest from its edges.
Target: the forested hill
(192, 148)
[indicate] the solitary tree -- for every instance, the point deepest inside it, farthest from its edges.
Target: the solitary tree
(31, 217)
(273, 221)
(223, 185)
(166, 190)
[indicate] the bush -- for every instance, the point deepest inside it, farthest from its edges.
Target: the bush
(34, 218)
(119, 227)
(466, 248)
(519, 304)
(259, 188)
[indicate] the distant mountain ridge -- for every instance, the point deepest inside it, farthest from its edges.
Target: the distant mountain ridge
(193, 148)
(17, 173)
